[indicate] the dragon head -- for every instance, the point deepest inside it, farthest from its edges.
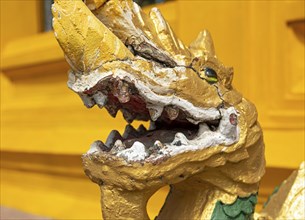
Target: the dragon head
(202, 131)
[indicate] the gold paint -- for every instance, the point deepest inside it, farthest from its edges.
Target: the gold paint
(202, 93)
(122, 204)
(198, 179)
(201, 89)
(203, 45)
(86, 42)
(187, 199)
(289, 201)
(189, 175)
(167, 37)
(94, 4)
(132, 24)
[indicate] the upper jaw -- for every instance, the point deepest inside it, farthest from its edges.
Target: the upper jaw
(155, 92)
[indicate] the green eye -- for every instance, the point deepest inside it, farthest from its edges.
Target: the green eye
(209, 75)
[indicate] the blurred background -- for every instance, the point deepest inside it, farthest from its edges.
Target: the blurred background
(45, 127)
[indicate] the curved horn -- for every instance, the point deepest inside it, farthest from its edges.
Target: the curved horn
(203, 44)
(86, 42)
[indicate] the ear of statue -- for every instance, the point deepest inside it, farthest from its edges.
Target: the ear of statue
(203, 45)
(86, 41)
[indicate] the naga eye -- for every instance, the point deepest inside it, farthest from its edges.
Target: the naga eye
(209, 75)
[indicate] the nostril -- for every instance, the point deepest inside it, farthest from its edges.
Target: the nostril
(233, 119)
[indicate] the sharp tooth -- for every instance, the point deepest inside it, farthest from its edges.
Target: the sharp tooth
(152, 126)
(137, 152)
(87, 100)
(118, 144)
(117, 147)
(112, 110)
(100, 99)
(141, 129)
(155, 112)
(121, 91)
(203, 127)
(130, 132)
(158, 145)
(180, 139)
(101, 146)
(172, 112)
(94, 147)
(113, 136)
(128, 116)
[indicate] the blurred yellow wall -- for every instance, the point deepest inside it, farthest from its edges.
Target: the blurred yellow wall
(45, 128)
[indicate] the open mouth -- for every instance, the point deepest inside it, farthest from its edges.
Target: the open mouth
(176, 126)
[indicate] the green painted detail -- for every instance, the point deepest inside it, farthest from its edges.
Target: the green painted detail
(211, 79)
(241, 209)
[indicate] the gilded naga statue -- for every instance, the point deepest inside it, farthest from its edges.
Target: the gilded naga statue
(204, 140)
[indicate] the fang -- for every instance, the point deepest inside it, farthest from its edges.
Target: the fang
(100, 99)
(121, 91)
(155, 112)
(172, 112)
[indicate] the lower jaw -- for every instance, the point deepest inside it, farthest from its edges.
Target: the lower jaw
(161, 144)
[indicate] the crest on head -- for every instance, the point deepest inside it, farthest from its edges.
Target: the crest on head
(203, 45)
(92, 38)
